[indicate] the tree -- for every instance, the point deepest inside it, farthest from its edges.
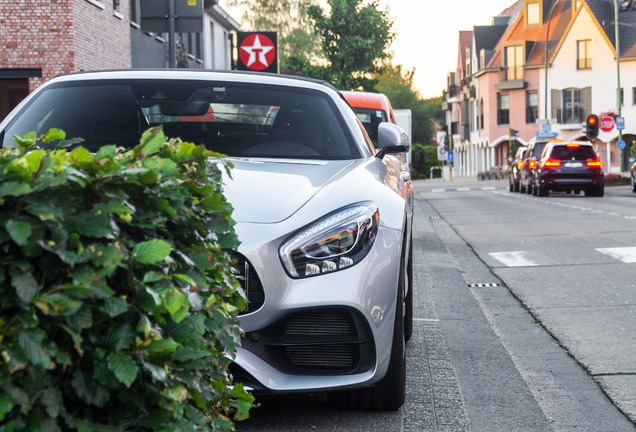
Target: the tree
(289, 18)
(354, 40)
(397, 84)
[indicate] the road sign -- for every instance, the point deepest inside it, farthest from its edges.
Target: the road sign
(156, 16)
(620, 144)
(620, 123)
(258, 51)
(441, 153)
(607, 123)
(546, 135)
(450, 155)
(546, 128)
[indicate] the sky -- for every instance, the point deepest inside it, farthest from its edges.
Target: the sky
(427, 35)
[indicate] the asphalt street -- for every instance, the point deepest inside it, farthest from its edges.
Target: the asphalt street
(490, 351)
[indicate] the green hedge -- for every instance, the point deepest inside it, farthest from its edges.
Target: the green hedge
(118, 307)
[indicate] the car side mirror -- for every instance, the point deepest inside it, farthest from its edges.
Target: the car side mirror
(392, 139)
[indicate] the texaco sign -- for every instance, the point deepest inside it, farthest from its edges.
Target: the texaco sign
(257, 51)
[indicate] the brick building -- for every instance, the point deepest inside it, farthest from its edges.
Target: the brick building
(43, 39)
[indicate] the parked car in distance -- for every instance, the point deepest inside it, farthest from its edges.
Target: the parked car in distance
(632, 178)
(373, 109)
(529, 164)
(515, 167)
(569, 167)
(323, 217)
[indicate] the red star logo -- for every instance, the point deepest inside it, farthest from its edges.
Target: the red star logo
(257, 52)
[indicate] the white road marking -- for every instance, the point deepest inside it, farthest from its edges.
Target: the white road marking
(513, 259)
(425, 320)
(625, 254)
(463, 189)
(488, 188)
(438, 190)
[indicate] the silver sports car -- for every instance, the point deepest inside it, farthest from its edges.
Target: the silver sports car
(323, 217)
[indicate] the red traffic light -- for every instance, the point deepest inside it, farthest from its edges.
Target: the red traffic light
(591, 126)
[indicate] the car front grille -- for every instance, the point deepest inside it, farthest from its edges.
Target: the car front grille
(323, 340)
(250, 282)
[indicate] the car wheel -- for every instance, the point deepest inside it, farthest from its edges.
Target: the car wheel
(530, 187)
(517, 186)
(542, 190)
(390, 393)
(633, 184)
(512, 187)
(522, 188)
(598, 191)
(408, 312)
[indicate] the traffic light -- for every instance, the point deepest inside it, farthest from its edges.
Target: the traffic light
(591, 126)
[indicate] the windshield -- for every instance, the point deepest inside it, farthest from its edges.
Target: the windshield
(563, 152)
(233, 119)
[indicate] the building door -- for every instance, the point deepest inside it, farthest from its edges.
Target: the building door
(12, 92)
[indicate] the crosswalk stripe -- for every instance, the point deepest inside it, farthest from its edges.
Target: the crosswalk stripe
(624, 254)
(513, 259)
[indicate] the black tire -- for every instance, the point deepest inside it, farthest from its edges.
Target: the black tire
(517, 186)
(530, 187)
(512, 187)
(522, 188)
(599, 191)
(542, 190)
(390, 393)
(408, 304)
(633, 184)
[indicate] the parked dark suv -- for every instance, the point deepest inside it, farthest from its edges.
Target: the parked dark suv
(530, 159)
(569, 167)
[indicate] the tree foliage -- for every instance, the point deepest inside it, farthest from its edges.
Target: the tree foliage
(118, 307)
(397, 84)
(354, 38)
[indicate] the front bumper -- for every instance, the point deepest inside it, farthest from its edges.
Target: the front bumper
(327, 332)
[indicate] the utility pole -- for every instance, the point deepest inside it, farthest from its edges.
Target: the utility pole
(619, 99)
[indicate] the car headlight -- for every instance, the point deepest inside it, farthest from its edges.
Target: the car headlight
(335, 242)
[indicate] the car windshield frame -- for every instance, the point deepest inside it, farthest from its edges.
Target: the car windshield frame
(258, 120)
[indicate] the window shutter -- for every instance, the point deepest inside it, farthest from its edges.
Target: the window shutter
(586, 101)
(556, 104)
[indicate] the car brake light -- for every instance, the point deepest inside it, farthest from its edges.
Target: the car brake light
(532, 164)
(593, 163)
(552, 163)
(520, 164)
(573, 145)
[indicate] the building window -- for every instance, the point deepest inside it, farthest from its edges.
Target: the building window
(503, 109)
(572, 109)
(532, 105)
(134, 12)
(633, 95)
(468, 58)
(622, 96)
(533, 13)
(482, 59)
(514, 62)
(481, 113)
(584, 59)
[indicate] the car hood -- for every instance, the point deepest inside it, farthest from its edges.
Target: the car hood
(269, 191)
